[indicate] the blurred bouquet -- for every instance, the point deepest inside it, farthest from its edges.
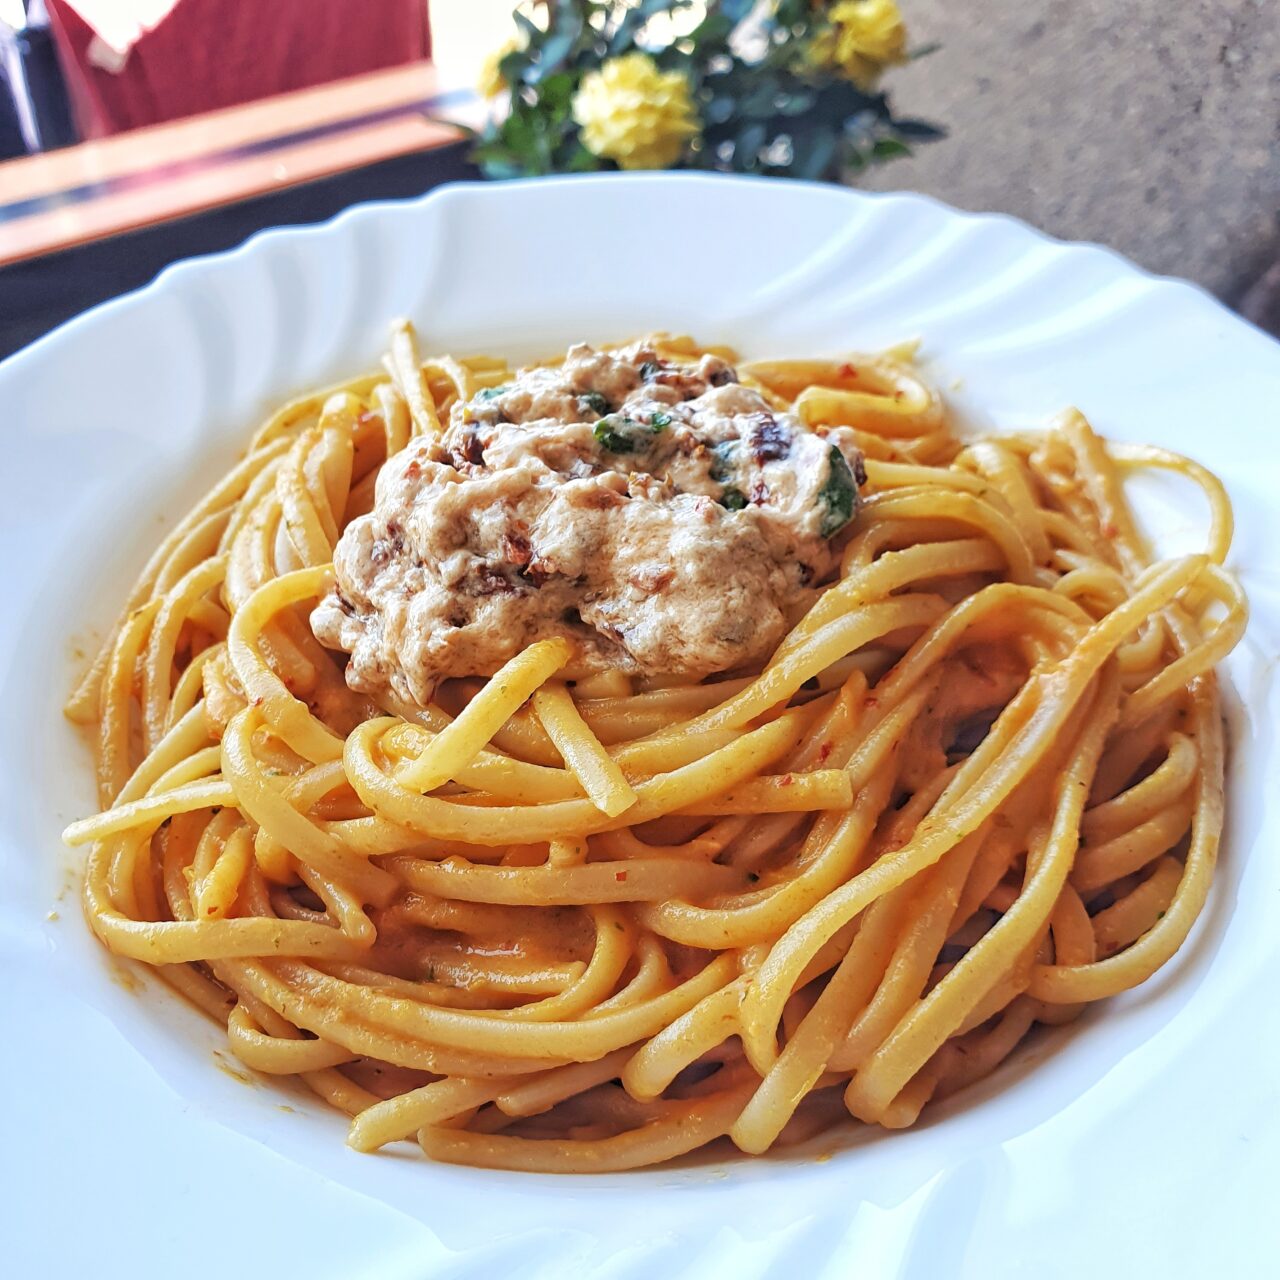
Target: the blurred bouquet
(782, 87)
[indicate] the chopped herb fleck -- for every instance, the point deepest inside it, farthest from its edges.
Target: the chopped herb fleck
(733, 499)
(594, 402)
(659, 422)
(724, 454)
(491, 393)
(837, 495)
(650, 369)
(616, 434)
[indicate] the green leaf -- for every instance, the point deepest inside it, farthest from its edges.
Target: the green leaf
(733, 499)
(659, 422)
(512, 66)
(838, 495)
(501, 170)
(518, 130)
(746, 149)
(889, 149)
(762, 100)
(720, 109)
(613, 441)
(567, 19)
(556, 91)
(582, 161)
(791, 13)
(636, 15)
(919, 130)
(646, 9)
(715, 29)
(530, 30)
(795, 104)
(815, 153)
(725, 453)
(620, 435)
(551, 57)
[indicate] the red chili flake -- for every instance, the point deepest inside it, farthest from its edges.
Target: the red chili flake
(848, 371)
(489, 579)
(516, 548)
(872, 702)
(1109, 530)
(257, 702)
(538, 571)
(413, 470)
(620, 876)
(825, 751)
(786, 780)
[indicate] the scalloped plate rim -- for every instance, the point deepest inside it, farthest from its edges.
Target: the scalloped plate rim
(912, 1215)
(269, 237)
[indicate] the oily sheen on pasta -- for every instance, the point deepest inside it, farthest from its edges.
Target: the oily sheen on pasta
(577, 914)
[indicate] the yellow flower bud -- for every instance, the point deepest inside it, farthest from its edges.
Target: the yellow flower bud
(631, 112)
(864, 37)
(490, 82)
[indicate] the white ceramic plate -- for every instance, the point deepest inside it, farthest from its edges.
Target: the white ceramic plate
(1145, 1138)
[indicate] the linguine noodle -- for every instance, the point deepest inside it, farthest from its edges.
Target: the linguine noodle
(592, 926)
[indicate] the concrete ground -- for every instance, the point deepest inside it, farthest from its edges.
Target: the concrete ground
(1152, 126)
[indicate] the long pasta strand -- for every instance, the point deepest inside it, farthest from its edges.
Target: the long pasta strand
(977, 786)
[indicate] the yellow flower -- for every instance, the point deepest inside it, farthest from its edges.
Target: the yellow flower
(491, 82)
(635, 114)
(864, 37)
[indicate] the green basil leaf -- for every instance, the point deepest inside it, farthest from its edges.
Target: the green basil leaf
(724, 453)
(838, 495)
(616, 434)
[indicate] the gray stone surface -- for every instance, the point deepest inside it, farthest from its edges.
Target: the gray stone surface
(1152, 126)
